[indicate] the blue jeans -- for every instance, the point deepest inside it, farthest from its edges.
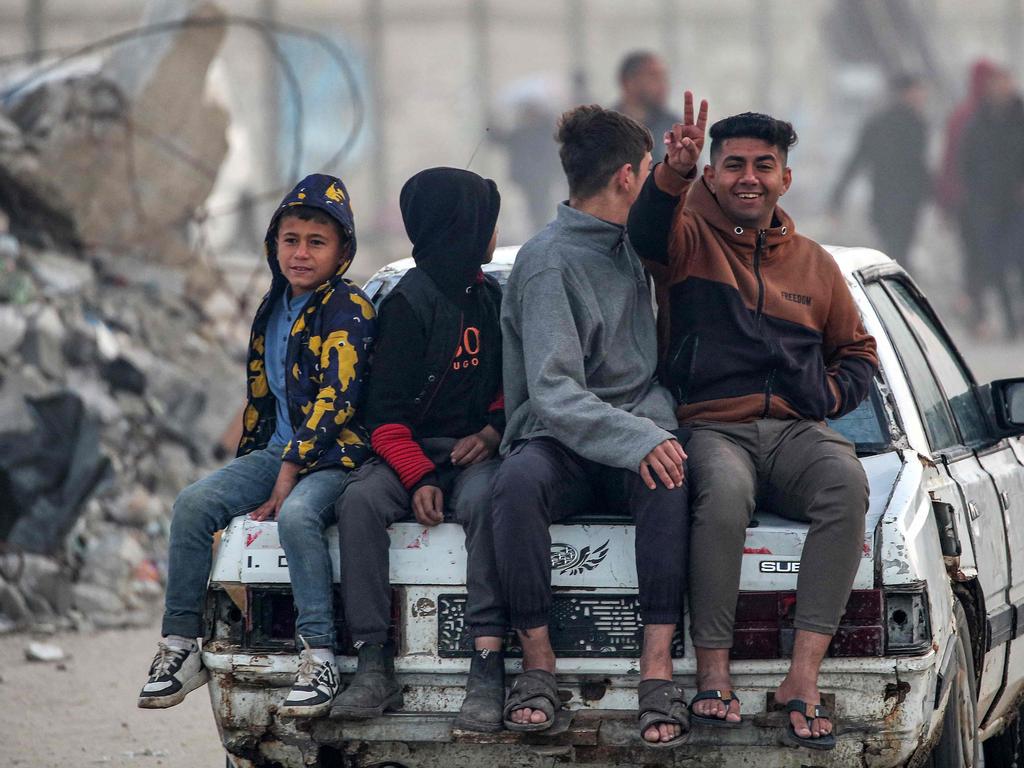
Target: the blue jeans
(209, 505)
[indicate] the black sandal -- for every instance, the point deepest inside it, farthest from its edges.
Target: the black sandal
(810, 712)
(727, 697)
(533, 689)
(662, 702)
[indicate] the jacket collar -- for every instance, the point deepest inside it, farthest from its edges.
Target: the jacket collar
(598, 231)
(701, 201)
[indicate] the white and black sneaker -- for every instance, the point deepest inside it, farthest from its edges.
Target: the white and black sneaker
(316, 685)
(174, 673)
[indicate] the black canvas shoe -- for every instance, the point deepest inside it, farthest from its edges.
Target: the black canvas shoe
(174, 673)
(316, 685)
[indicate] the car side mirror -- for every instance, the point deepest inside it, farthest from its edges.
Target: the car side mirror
(1008, 405)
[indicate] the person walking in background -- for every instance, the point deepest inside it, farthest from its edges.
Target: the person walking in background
(643, 83)
(892, 149)
(992, 167)
(533, 164)
(951, 196)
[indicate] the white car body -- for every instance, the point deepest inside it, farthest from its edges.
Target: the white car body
(889, 708)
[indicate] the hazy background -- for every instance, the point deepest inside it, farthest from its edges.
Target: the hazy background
(429, 75)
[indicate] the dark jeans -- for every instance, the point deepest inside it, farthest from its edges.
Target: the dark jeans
(374, 499)
(541, 482)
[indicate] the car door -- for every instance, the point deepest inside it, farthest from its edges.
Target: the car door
(954, 431)
(998, 459)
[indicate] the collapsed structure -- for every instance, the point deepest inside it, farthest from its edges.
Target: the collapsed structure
(119, 346)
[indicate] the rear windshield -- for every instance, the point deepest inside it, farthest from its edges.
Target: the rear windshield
(865, 426)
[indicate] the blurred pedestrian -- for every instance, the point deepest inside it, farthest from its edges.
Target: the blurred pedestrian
(533, 162)
(950, 192)
(892, 149)
(992, 165)
(643, 80)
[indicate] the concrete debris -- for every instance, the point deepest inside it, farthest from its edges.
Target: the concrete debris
(12, 329)
(122, 374)
(44, 342)
(138, 152)
(13, 604)
(119, 345)
(93, 599)
(59, 275)
(111, 402)
(44, 652)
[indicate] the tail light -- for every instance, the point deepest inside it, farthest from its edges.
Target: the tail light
(267, 622)
(875, 623)
(908, 626)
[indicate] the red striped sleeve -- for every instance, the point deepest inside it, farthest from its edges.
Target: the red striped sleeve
(394, 444)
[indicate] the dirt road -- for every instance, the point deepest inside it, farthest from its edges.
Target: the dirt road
(84, 714)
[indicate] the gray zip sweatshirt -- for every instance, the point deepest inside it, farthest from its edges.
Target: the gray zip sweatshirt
(580, 346)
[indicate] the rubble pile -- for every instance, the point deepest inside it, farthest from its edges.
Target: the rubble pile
(121, 351)
(112, 398)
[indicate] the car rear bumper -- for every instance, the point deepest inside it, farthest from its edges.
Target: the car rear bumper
(885, 710)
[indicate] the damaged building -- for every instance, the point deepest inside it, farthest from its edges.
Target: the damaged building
(119, 341)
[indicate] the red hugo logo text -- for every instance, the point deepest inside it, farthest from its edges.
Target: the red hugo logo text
(467, 353)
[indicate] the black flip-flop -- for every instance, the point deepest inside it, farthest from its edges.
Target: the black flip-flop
(532, 689)
(809, 712)
(662, 702)
(727, 697)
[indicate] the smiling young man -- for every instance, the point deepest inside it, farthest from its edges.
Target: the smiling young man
(760, 342)
(307, 360)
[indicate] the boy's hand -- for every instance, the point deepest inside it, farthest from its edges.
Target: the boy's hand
(428, 505)
(473, 449)
(287, 478)
(684, 143)
(666, 461)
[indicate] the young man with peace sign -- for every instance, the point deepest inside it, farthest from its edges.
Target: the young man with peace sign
(760, 342)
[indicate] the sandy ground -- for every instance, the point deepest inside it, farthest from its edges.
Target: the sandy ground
(83, 713)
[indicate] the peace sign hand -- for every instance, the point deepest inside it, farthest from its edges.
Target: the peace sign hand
(683, 144)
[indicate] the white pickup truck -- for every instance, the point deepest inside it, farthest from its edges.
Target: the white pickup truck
(927, 665)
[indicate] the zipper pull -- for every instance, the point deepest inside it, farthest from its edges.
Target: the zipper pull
(762, 236)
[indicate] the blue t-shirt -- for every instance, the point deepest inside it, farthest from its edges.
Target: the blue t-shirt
(279, 327)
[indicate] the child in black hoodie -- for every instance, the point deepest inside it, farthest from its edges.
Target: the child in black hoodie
(436, 415)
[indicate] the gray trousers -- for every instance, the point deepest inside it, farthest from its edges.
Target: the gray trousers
(798, 469)
(374, 499)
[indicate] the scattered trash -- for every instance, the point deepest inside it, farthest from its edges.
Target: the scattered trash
(147, 752)
(44, 652)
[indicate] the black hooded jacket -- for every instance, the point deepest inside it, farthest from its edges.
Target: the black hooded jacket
(437, 364)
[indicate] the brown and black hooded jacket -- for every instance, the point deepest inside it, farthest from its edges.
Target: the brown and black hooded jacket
(752, 323)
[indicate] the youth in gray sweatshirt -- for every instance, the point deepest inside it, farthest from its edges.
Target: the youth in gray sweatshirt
(580, 345)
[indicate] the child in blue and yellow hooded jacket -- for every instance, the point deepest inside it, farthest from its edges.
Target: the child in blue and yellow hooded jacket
(308, 354)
